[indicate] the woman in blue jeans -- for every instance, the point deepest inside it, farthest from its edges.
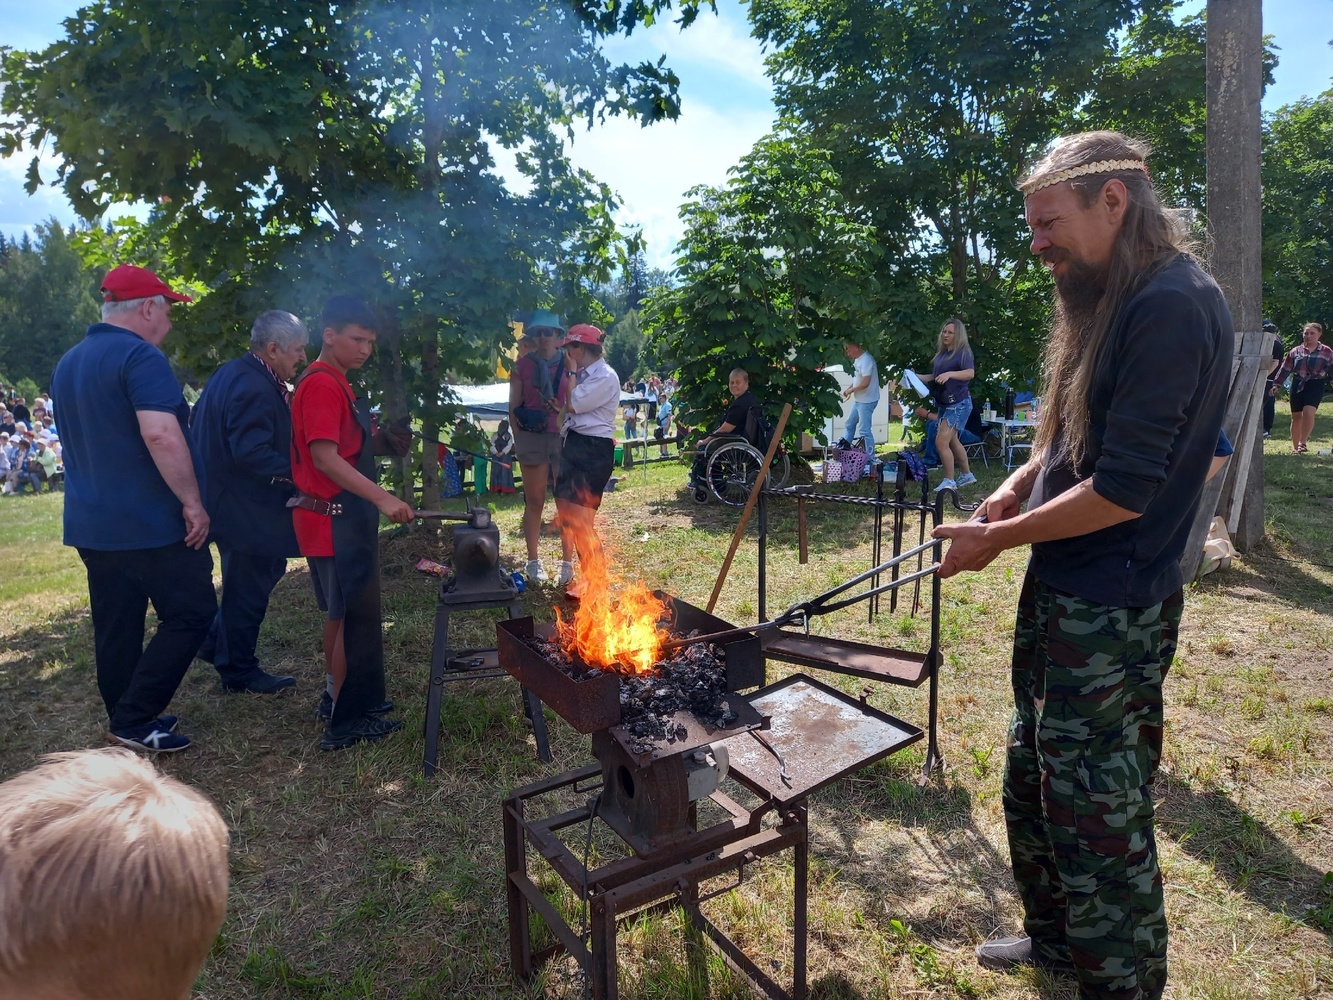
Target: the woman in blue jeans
(953, 369)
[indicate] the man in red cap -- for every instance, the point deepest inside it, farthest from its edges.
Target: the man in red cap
(132, 506)
(587, 457)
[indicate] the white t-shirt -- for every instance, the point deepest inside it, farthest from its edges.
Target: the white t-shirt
(861, 367)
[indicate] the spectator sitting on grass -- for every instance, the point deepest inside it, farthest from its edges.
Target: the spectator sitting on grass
(114, 878)
(45, 460)
(20, 473)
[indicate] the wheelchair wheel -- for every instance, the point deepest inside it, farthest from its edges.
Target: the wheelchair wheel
(732, 470)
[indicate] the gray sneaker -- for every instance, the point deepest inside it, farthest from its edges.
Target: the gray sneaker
(1004, 954)
(946, 484)
(966, 479)
(535, 573)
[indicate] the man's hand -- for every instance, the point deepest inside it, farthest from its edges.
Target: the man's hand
(1272, 389)
(196, 525)
(1000, 506)
(394, 509)
(972, 546)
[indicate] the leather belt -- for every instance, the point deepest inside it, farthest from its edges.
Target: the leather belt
(307, 502)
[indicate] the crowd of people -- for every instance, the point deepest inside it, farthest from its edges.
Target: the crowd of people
(268, 471)
(30, 447)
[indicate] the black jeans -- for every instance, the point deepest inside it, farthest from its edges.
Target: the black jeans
(1270, 406)
(137, 682)
(248, 578)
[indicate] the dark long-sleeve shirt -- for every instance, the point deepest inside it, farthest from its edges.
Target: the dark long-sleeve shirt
(1156, 411)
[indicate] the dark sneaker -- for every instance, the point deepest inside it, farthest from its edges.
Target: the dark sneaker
(367, 729)
(154, 737)
(260, 682)
(167, 722)
(324, 710)
(1004, 954)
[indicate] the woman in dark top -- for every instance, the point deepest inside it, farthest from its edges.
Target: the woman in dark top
(953, 369)
(1309, 363)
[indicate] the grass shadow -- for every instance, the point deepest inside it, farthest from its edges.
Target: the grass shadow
(1242, 850)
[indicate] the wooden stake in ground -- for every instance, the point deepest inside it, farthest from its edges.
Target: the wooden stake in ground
(749, 506)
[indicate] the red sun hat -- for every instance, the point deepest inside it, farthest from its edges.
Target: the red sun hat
(583, 333)
(127, 282)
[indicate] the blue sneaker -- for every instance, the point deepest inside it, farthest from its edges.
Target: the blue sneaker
(167, 722)
(154, 737)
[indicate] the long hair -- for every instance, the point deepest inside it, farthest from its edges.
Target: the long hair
(1150, 237)
(959, 337)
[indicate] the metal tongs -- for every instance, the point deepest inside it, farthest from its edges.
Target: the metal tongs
(801, 612)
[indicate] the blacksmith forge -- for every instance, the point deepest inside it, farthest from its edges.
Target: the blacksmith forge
(785, 742)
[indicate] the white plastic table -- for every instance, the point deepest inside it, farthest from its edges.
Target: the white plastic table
(1007, 443)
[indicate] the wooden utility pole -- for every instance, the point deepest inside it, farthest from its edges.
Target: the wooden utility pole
(1235, 86)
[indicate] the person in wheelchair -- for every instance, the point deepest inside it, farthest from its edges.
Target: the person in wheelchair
(738, 420)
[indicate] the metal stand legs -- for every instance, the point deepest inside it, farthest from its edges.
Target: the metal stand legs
(471, 664)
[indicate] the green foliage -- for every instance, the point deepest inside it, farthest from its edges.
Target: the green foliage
(774, 270)
(293, 151)
(1298, 215)
(46, 302)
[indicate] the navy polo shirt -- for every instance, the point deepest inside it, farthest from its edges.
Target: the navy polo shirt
(115, 498)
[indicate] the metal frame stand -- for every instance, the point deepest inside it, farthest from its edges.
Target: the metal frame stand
(649, 884)
(469, 665)
(928, 509)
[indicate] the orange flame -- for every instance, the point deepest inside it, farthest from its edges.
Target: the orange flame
(616, 625)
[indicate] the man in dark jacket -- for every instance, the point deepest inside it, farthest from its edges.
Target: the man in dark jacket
(1137, 368)
(242, 430)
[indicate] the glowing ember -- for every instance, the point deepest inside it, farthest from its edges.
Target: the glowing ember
(618, 622)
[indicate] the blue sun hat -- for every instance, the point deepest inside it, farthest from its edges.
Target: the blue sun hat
(544, 319)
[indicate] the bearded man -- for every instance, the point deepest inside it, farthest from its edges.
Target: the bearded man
(1135, 379)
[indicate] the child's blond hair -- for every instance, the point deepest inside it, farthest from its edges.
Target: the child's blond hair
(113, 880)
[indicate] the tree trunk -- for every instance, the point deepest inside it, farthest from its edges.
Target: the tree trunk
(395, 404)
(1235, 86)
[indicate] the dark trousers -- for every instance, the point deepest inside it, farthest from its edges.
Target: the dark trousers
(248, 578)
(1270, 406)
(137, 682)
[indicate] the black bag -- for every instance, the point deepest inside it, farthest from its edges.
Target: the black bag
(530, 419)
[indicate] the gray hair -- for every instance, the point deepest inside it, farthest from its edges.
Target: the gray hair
(278, 327)
(112, 309)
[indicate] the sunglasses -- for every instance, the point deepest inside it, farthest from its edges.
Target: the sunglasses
(543, 332)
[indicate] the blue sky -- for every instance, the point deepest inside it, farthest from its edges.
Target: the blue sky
(726, 106)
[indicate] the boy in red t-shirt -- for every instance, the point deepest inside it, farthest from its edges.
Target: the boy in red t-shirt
(336, 517)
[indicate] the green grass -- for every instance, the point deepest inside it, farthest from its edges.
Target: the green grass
(353, 876)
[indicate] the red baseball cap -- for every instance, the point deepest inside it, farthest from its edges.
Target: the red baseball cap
(127, 282)
(583, 333)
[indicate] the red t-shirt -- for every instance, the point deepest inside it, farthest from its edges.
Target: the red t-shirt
(321, 411)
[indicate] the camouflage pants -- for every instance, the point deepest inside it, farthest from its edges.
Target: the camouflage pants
(1084, 745)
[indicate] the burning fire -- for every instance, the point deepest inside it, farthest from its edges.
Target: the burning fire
(617, 624)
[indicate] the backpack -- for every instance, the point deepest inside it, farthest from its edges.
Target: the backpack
(757, 431)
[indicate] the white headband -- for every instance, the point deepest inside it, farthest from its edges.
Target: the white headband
(1100, 167)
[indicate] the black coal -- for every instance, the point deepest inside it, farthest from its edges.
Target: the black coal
(692, 679)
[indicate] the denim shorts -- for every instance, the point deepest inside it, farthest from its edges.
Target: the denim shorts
(956, 414)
